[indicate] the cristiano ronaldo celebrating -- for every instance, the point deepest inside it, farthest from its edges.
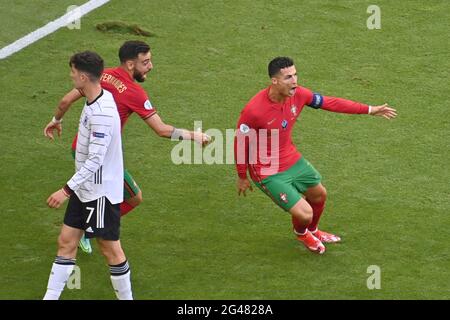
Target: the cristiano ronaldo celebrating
(264, 148)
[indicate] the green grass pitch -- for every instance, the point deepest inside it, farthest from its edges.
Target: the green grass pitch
(192, 237)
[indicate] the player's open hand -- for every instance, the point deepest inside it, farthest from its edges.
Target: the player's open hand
(48, 130)
(243, 185)
(384, 111)
(57, 199)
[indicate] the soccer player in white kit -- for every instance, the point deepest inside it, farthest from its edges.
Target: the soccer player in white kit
(95, 191)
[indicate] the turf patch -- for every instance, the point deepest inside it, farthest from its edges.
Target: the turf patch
(123, 28)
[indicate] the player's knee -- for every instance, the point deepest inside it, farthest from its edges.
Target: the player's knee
(66, 245)
(323, 194)
(139, 198)
(319, 195)
(305, 218)
(114, 255)
(106, 252)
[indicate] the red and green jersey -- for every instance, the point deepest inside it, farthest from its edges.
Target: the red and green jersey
(263, 143)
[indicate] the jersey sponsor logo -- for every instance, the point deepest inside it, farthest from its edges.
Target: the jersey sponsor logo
(283, 197)
(244, 128)
(271, 121)
(284, 124)
(148, 105)
(98, 134)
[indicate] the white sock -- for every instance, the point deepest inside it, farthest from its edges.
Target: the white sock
(121, 281)
(300, 234)
(61, 270)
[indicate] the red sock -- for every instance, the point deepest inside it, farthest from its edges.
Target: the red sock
(299, 228)
(317, 212)
(125, 207)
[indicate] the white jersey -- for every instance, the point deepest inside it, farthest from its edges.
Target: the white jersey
(98, 158)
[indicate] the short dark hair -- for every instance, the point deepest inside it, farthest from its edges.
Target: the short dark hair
(279, 63)
(131, 49)
(89, 62)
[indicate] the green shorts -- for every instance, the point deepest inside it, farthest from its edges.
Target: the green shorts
(130, 187)
(286, 188)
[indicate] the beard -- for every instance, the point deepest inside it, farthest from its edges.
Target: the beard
(139, 77)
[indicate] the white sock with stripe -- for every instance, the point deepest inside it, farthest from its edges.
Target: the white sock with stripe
(61, 270)
(299, 233)
(121, 280)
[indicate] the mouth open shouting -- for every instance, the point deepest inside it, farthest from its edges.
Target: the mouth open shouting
(292, 90)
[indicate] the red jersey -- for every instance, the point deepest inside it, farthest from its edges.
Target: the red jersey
(128, 95)
(263, 142)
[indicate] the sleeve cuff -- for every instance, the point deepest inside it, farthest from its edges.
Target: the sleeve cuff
(67, 190)
(151, 114)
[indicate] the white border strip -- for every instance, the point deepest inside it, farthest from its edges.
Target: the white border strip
(50, 27)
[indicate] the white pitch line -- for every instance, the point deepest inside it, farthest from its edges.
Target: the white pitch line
(50, 27)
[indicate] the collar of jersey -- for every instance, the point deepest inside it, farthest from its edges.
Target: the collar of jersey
(273, 104)
(98, 97)
(124, 74)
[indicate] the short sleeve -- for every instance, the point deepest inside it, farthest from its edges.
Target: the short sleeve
(305, 95)
(311, 99)
(142, 105)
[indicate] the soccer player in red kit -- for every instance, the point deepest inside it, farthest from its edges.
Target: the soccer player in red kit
(135, 58)
(264, 148)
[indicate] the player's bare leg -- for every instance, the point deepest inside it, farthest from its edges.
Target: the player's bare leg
(119, 268)
(136, 200)
(132, 194)
(67, 241)
(302, 215)
(130, 203)
(316, 197)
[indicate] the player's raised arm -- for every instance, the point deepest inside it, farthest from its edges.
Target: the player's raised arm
(168, 131)
(64, 105)
(347, 106)
(341, 105)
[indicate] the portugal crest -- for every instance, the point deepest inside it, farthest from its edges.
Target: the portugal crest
(283, 197)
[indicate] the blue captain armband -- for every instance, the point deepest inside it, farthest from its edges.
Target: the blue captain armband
(317, 101)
